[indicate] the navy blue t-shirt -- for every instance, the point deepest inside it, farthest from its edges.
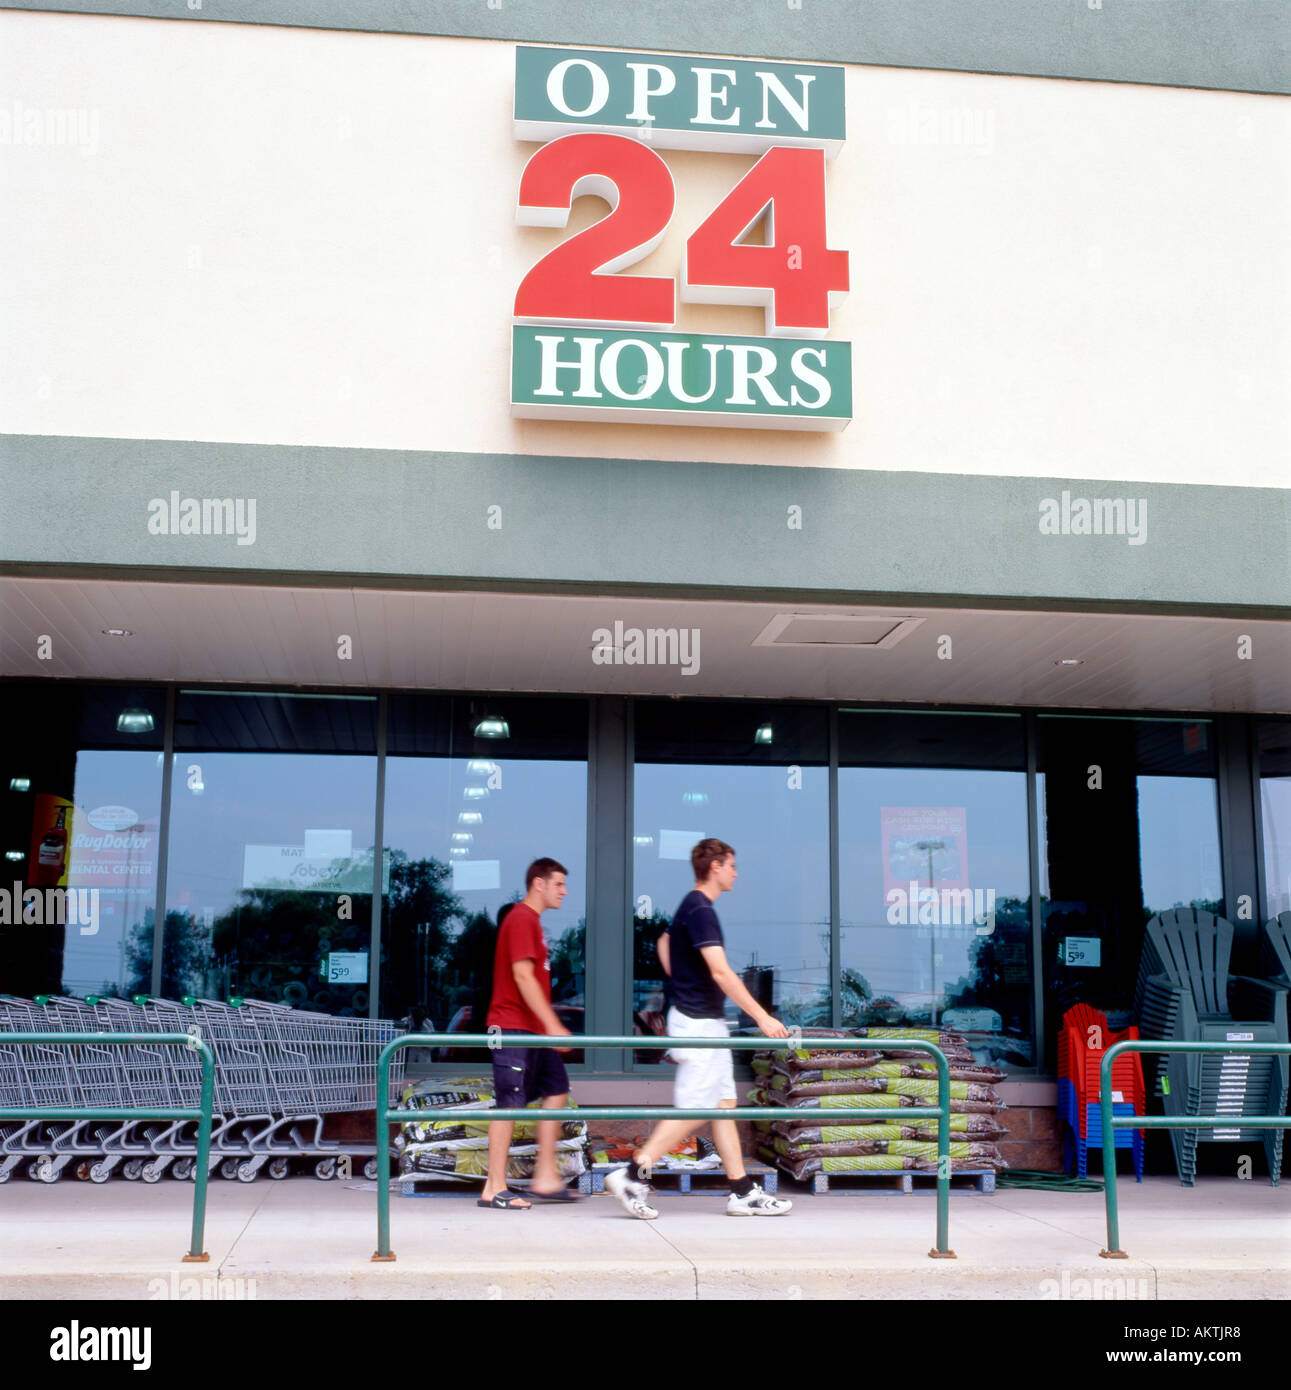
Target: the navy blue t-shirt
(694, 924)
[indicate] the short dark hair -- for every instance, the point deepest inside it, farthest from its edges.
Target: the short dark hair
(502, 912)
(705, 854)
(542, 868)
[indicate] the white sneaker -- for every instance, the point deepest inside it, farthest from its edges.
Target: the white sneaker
(631, 1195)
(757, 1203)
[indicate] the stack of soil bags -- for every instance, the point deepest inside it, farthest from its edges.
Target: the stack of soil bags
(799, 1087)
(457, 1150)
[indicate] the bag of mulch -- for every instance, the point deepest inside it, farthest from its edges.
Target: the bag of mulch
(870, 1100)
(927, 1090)
(981, 1155)
(953, 1044)
(973, 1128)
(864, 1163)
(779, 1083)
(797, 1063)
(801, 1072)
(851, 1149)
(877, 1100)
(434, 1091)
(432, 1160)
(470, 1093)
(961, 1165)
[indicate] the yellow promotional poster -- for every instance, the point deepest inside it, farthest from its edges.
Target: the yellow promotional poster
(51, 834)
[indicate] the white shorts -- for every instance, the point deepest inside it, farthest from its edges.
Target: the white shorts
(705, 1076)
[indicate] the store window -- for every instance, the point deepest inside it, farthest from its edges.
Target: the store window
(476, 789)
(81, 779)
(757, 777)
(1274, 741)
(1129, 827)
(934, 877)
(271, 849)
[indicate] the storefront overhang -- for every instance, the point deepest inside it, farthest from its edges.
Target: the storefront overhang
(618, 644)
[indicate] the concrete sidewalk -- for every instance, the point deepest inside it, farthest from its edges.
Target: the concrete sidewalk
(304, 1239)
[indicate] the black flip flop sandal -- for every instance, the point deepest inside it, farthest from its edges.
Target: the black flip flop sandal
(560, 1195)
(502, 1201)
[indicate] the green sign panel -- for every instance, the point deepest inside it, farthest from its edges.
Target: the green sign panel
(560, 373)
(691, 103)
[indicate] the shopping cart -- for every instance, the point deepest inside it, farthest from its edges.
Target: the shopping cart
(279, 1073)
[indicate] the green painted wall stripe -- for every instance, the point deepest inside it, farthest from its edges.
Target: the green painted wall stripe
(1235, 45)
(623, 524)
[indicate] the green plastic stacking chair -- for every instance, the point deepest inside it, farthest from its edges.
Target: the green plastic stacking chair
(1185, 993)
(1275, 950)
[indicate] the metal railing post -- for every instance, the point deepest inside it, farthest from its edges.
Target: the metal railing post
(386, 1115)
(942, 1250)
(383, 1251)
(197, 1253)
(1113, 1122)
(1113, 1249)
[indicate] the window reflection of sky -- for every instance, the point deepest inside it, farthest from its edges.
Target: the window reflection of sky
(778, 912)
(1275, 803)
(899, 959)
(258, 799)
(540, 810)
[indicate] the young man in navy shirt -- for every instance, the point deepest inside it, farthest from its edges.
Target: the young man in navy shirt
(693, 955)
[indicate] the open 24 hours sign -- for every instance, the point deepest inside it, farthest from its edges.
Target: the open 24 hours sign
(592, 341)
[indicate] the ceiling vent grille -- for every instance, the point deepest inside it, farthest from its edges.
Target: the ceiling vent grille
(872, 632)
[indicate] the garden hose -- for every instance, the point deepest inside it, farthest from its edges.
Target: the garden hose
(1046, 1182)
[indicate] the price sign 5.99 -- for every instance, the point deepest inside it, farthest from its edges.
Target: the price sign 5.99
(789, 379)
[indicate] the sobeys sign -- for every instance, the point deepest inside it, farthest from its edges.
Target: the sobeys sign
(591, 342)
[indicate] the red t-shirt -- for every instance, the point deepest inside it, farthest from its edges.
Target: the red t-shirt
(519, 938)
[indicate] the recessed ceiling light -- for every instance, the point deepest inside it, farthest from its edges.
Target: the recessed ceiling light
(16, 856)
(134, 721)
(116, 632)
(764, 734)
(469, 818)
(1069, 661)
(23, 784)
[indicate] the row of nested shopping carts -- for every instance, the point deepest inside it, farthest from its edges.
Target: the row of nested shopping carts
(278, 1072)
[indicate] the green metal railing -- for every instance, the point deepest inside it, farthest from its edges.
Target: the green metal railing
(196, 1254)
(1113, 1122)
(388, 1115)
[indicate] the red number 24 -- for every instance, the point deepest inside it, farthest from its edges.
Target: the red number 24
(794, 275)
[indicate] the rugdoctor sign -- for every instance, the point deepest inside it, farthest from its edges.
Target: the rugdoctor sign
(603, 114)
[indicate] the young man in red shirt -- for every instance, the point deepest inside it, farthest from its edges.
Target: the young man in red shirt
(522, 1004)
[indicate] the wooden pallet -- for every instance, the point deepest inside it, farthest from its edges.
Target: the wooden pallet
(902, 1180)
(709, 1178)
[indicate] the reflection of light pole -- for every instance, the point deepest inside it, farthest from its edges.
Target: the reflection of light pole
(931, 847)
